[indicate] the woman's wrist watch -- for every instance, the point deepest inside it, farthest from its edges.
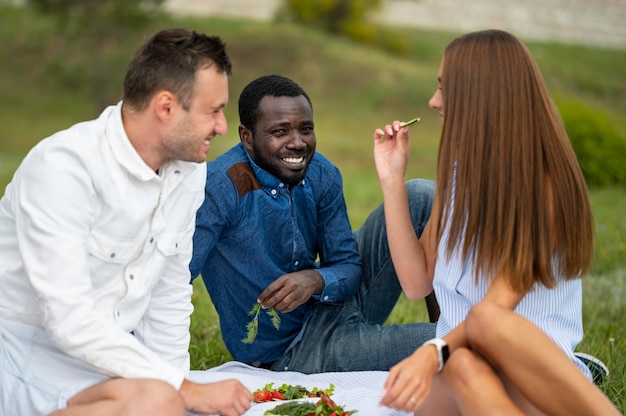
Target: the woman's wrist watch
(443, 352)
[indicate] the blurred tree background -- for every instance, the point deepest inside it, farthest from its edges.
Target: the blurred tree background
(350, 18)
(98, 28)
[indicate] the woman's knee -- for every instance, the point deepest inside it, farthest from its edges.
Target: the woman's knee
(463, 369)
(487, 326)
(146, 396)
(122, 396)
(476, 386)
(157, 397)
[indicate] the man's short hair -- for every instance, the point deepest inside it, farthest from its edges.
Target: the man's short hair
(169, 61)
(268, 85)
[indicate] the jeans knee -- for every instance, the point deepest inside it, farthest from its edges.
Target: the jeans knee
(420, 186)
(420, 194)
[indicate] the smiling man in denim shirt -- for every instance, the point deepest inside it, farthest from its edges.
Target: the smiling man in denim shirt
(274, 229)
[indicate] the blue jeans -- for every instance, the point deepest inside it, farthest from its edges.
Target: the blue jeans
(350, 336)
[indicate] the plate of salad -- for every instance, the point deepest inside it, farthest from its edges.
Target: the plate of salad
(296, 400)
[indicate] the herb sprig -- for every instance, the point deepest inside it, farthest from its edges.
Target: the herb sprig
(408, 123)
(252, 327)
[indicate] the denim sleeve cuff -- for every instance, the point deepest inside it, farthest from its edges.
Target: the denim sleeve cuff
(329, 294)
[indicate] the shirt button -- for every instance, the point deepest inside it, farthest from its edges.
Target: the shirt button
(282, 185)
(296, 263)
(325, 297)
(112, 255)
(131, 277)
(152, 240)
(273, 192)
(118, 313)
(177, 172)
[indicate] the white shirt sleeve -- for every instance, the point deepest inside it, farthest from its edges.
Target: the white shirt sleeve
(56, 206)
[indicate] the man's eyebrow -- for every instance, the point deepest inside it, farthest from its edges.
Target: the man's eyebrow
(279, 124)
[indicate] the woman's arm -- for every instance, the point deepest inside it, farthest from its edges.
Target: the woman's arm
(413, 259)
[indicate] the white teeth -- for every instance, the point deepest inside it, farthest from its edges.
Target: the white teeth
(293, 159)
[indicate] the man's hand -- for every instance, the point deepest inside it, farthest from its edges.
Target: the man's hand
(292, 290)
(226, 398)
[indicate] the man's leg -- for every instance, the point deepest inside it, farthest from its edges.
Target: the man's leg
(380, 289)
(350, 336)
(125, 397)
(337, 339)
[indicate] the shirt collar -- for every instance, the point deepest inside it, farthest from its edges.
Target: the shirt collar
(124, 152)
(127, 156)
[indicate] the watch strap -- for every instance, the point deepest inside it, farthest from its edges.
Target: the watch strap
(443, 351)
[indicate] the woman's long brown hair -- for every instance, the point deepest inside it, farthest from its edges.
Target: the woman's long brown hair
(520, 205)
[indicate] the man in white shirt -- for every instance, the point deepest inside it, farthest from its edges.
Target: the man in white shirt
(96, 239)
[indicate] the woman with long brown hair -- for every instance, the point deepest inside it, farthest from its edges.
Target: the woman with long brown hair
(510, 236)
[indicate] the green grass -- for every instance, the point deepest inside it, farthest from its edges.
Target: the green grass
(48, 84)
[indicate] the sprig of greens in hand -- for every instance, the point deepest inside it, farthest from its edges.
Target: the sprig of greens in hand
(252, 327)
(408, 123)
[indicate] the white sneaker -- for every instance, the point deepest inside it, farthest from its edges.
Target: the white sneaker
(599, 370)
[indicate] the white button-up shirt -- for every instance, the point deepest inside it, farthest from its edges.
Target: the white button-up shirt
(95, 245)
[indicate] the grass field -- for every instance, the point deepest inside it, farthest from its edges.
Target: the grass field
(48, 84)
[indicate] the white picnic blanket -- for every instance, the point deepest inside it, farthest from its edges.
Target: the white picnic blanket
(356, 390)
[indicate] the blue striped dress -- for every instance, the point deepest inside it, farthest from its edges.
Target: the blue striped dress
(557, 312)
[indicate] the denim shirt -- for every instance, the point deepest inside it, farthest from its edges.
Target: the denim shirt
(252, 229)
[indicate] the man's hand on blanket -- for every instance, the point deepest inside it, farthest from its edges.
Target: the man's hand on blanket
(225, 398)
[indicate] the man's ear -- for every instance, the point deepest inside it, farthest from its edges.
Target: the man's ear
(245, 135)
(164, 104)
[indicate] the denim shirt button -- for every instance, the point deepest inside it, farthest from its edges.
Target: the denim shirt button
(273, 192)
(325, 297)
(296, 263)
